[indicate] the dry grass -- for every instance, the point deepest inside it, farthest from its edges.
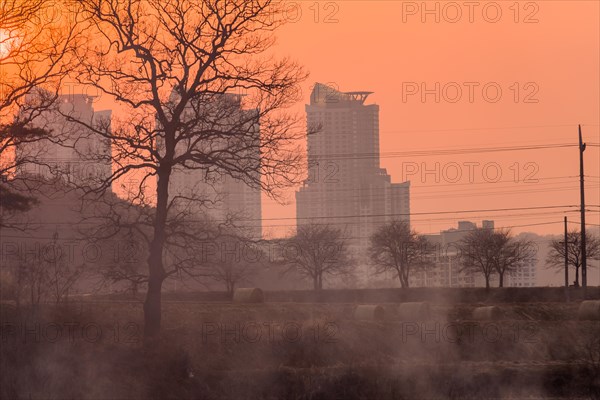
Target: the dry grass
(540, 352)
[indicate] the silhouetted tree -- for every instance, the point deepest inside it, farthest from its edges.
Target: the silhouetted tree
(556, 256)
(126, 264)
(231, 259)
(35, 50)
(171, 66)
(510, 254)
(63, 273)
(395, 247)
(477, 253)
(316, 251)
(30, 278)
(126, 226)
(34, 54)
(45, 274)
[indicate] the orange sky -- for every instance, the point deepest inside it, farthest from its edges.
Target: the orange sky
(375, 46)
(371, 48)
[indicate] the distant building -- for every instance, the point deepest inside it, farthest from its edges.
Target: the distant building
(447, 270)
(346, 186)
(75, 154)
(447, 273)
(487, 224)
(228, 196)
(523, 277)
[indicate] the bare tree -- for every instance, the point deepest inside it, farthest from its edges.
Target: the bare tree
(62, 273)
(34, 55)
(171, 66)
(477, 253)
(510, 254)
(126, 227)
(316, 251)
(231, 259)
(395, 247)
(47, 273)
(556, 256)
(35, 47)
(196, 249)
(126, 267)
(30, 279)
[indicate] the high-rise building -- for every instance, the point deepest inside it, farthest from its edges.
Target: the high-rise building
(346, 186)
(224, 195)
(73, 153)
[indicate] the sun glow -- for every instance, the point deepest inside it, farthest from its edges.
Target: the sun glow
(6, 42)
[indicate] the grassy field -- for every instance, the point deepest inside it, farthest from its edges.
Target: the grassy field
(93, 349)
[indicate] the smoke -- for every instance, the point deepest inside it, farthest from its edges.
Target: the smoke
(94, 350)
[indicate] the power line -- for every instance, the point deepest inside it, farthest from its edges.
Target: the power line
(433, 152)
(519, 216)
(355, 237)
(511, 216)
(503, 193)
(469, 230)
(436, 220)
(578, 223)
(477, 130)
(449, 193)
(417, 187)
(450, 218)
(418, 213)
(420, 221)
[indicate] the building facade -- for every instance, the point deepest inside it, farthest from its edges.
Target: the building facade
(74, 153)
(223, 196)
(346, 187)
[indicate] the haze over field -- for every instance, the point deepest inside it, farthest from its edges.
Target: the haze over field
(257, 199)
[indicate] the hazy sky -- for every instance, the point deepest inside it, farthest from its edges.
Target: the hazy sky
(458, 76)
(547, 70)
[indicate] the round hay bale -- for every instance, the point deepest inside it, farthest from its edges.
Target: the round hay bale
(248, 295)
(589, 310)
(416, 311)
(490, 313)
(369, 312)
(9, 304)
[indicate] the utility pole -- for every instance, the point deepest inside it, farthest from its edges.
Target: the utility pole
(566, 243)
(566, 263)
(582, 201)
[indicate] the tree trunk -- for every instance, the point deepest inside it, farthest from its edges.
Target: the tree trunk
(577, 275)
(501, 279)
(320, 281)
(315, 283)
(152, 308)
(403, 281)
(156, 276)
(487, 283)
(400, 279)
